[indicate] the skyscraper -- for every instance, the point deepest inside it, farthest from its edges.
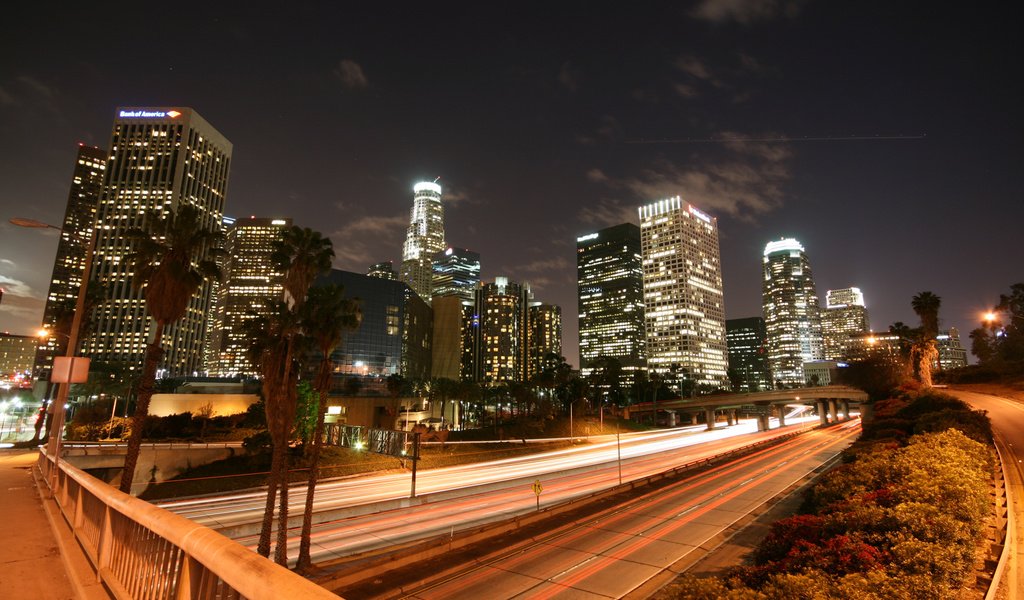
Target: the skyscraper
(845, 315)
(251, 282)
(545, 338)
(501, 328)
(424, 239)
(683, 303)
(791, 311)
(610, 292)
(952, 354)
(748, 354)
(383, 270)
(456, 273)
(160, 159)
(75, 235)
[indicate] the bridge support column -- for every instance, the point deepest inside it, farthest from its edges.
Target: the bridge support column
(833, 412)
(763, 423)
(730, 417)
(709, 416)
(822, 412)
(845, 404)
(782, 414)
(671, 418)
(693, 419)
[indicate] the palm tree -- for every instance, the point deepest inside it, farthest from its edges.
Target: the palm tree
(172, 257)
(327, 315)
(926, 305)
(302, 255)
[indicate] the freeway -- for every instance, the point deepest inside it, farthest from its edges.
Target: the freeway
(232, 510)
(636, 547)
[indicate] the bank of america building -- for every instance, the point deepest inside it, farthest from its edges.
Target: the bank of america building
(160, 159)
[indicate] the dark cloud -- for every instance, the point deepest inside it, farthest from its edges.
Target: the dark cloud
(351, 74)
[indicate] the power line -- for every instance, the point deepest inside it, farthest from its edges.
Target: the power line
(782, 139)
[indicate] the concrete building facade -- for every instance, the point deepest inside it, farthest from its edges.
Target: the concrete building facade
(683, 300)
(845, 316)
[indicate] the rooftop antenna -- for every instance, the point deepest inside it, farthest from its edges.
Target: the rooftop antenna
(437, 178)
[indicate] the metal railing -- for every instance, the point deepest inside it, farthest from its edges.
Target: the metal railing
(140, 551)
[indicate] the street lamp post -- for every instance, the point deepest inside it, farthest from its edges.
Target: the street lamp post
(57, 426)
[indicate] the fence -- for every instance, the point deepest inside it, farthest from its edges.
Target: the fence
(140, 551)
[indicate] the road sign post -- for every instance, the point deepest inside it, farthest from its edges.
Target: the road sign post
(537, 489)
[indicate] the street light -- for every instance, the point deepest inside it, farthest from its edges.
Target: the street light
(57, 426)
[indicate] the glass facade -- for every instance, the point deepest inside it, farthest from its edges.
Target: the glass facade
(545, 338)
(456, 273)
(683, 302)
(610, 293)
(791, 312)
(393, 339)
(748, 354)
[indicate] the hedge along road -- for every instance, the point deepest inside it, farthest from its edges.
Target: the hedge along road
(1008, 425)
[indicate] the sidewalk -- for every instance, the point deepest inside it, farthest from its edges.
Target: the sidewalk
(31, 563)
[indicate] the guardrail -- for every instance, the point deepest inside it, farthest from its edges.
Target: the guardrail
(141, 551)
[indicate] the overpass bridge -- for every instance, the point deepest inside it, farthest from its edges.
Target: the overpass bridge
(832, 403)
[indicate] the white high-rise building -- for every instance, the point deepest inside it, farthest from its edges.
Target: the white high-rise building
(792, 315)
(424, 239)
(845, 315)
(160, 159)
(684, 306)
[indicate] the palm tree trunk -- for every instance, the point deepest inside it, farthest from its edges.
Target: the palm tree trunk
(154, 352)
(263, 548)
(304, 561)
(281, 548)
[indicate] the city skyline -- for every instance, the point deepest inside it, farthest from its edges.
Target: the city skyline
(540, 146)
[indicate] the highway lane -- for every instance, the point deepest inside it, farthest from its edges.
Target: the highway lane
(1007, 418)
(622, 549)
(236, 512)
(343, 537)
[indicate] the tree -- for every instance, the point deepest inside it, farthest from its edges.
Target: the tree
(326, 317)
(926, 305)
(302, 255)
(203, 414)
(172, 256)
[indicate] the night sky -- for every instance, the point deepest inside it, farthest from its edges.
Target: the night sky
(538, 118)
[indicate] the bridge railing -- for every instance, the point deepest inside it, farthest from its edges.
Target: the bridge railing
(141, 551)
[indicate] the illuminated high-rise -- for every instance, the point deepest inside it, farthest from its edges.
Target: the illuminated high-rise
(500, 325)
(75, 234)
(456, 273)
(251, 283)
(792, 315)
(683, 303)
(424, 239)
(383, 270)
(160, 159)
(545, 338)
(610, 292)
(845, 315)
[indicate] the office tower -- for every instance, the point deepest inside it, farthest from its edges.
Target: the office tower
(251, 282)
(748, 354)
(456, 273)
(610, 293)
(383, 270)
(160, 159)
(952, 354)
(75, 235)
(683, 304)
(394, 337)
(544, 341)
(424, 239)
(844, 316)
(449, 341)
(501, 331)
(791, 312)
(17, 353)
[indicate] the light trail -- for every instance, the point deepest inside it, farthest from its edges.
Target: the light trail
(623, 548)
